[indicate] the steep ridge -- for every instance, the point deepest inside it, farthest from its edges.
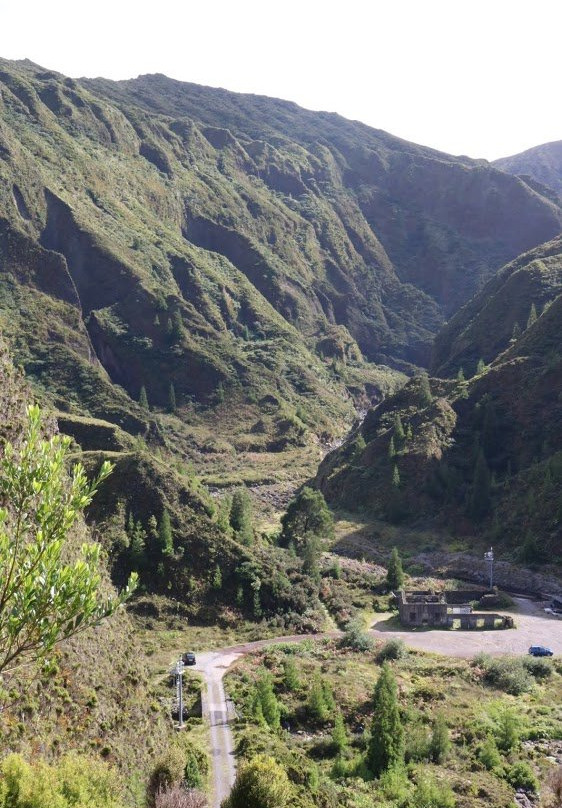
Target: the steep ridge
(482, 457)
(197, 225)
(543, 164)
(494, 318)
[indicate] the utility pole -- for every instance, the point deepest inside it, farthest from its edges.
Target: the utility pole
(489, 557)
(178, 670)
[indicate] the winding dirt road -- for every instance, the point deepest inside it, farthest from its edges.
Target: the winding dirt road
(534, 627)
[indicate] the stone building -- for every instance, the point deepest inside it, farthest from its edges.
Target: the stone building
(450, 609)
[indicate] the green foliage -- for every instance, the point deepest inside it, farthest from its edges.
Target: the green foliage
(172, 398)
(510, 675)
(480, 500)
(216, 580)
(339, 734)
(306, 524)
(268, 701)
(395, 477)
(489, 756)
(191, 774)
(291, 679)
(399, 433)
(44, 599)
(165, 536)
(391, 449)
(356, 637)
(538, 667)
(316, 706)
(424, 390)
(440, 743)
(392, 649)
(261, 783)
(431, 793)
(169, 771)
(532, 318)
(480, 367)
(143, 399)
(507, 730)
(521, 775)
(386, 744)
(395, 573)
(240, 518)
(73, 782)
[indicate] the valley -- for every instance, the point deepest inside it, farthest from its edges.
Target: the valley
(300, 342)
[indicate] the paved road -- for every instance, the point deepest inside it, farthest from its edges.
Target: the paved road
(534, 627)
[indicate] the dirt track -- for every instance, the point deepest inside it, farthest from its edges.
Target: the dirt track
(533, 627)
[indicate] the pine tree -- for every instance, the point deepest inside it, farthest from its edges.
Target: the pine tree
(216, 581)
(171, 398)
(395, 573)
(391, 448)
(165, 537)
(316, 705)
(440, 744)
(480, 367)
(240, 517)
(399, 433)
(460, 375)
(395, 477)
(409, 433)
(339, 735)
(425, 396)
(268, 700)
(177, 329)
(290, 675)
(307, 516)
(143, 400)
(532, 316)
(516, 333)
(386, 745)
(480, 494)
(137, 546)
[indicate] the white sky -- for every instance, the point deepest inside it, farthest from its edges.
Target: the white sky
(465, 76)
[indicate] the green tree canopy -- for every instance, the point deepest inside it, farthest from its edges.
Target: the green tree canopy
(307, 517)
(386, 745)
(395, 573)
(261, 783)
(240, 517)
(44, 597)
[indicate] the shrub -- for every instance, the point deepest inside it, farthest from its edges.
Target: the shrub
(74, 781)
(537, 667)
(392, 649)
(261, 783)
(430, 793)
(489, 756)
(509, 675)
(520, 775)
(440, 743)
(179, 797)
(417, 744)
(356, 637)
(168, 772)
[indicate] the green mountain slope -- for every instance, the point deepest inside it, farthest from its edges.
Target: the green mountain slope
(541, 163)
(486, 326)
(215, 241)
(483, 456)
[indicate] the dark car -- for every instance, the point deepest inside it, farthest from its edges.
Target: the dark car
(188, 658)
(540, 650)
